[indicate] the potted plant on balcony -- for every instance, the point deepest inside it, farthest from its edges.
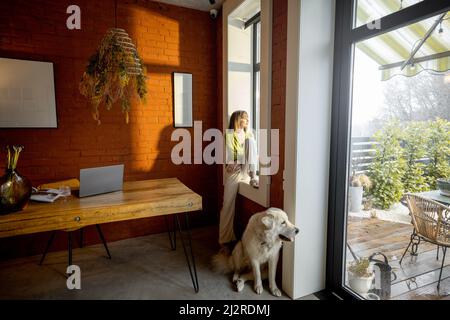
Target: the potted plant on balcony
(360, 275)
(358, 184)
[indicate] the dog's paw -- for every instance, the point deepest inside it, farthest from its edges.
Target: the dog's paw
(235, 277)
(276, 292)
(239, 285)
(258, 288)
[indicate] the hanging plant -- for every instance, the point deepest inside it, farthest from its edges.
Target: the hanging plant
(114, 73)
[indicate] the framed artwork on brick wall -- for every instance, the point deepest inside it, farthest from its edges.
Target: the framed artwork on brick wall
(182, 100)
(27, 94)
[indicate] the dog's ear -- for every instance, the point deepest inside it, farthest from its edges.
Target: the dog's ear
(267, 220)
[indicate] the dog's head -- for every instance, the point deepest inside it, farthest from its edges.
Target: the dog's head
(277, 222)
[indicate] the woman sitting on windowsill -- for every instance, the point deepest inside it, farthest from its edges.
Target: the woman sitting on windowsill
(241, 159)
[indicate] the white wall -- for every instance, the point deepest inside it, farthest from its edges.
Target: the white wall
(308, 114)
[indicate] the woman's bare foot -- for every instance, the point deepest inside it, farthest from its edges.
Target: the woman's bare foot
(254, 182)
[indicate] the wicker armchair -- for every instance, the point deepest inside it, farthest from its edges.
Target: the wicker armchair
(431, 222)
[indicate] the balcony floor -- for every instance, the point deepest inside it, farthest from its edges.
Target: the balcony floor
(417, 276)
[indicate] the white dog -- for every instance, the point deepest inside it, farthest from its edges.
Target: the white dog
(260, 246)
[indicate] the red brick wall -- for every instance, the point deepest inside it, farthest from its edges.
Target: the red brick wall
(168, 39)
(244, 207)
(279, 58)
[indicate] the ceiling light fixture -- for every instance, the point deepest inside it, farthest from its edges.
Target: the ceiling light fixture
(115, 73)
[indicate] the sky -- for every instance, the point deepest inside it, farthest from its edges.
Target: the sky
(367, 92)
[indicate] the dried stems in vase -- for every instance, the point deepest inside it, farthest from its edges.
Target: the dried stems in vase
(13, 158)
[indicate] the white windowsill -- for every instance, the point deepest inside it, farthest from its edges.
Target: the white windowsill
(259, 195)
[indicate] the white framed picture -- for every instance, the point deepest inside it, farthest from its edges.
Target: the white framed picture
(182, 100)
(27, 94)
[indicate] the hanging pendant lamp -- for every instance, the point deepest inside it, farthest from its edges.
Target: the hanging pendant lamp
(123, 40)
(114, 73)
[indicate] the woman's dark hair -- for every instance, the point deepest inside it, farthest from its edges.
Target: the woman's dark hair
(235, 118)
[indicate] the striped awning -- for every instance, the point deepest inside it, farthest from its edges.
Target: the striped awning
(391, 50)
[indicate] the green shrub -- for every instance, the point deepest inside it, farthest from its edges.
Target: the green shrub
(396, 168)
(415, 137)
(438, 150)
(387, 170)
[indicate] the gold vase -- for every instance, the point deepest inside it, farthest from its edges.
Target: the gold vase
(15, 192)
(15, 189)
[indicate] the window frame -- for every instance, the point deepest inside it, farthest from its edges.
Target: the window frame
(259, 195)
(345, 39)
(253, 22)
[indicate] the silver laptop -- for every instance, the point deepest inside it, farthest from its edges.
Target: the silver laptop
(101, 180)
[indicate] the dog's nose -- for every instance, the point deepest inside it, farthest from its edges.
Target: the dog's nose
(297, 230)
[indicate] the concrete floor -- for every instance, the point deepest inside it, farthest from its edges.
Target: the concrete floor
(141, 268)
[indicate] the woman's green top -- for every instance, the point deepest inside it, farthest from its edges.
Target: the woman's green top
(235, 150)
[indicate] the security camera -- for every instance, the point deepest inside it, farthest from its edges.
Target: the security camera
(213, 13)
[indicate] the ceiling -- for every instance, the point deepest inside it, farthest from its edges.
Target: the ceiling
(202, 5)
(246, 10)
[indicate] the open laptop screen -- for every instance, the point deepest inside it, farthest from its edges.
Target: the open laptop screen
(101, 180)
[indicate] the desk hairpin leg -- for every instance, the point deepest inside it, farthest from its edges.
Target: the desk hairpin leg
(47, 247)
(100, 233)
(173, 241)
(69, 244)
(81, 237)
(193, 268)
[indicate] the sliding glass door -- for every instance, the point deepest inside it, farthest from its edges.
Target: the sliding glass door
(389, 211)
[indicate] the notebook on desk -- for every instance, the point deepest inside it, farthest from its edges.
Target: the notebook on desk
(101, 180)
(45, 195)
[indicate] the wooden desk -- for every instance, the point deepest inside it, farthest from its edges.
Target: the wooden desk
(139, 199)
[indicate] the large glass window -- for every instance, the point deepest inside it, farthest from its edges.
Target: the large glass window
(370, 10)
(256, 73)
(247, 84)
(389, 193)
(257, 78)
(400, 118)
